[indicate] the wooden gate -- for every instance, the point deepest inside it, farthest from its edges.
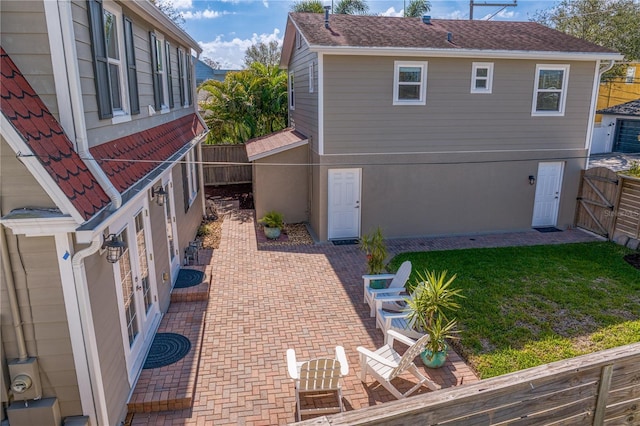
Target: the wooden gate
(597, 198)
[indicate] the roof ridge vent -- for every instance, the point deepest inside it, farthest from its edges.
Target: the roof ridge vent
(426, 19)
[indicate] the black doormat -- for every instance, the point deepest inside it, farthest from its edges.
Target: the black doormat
(633, 259)
(347, 242)
(166, 349)
(546, 229)
(189, 278)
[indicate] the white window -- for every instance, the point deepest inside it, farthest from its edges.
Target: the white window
(481, 77)
(114, 43)
(292, 98)
(630, 75)
(311, 73)
(191, 175)
(298, 40)
(550, 91)
(410, 83)
(162, 70)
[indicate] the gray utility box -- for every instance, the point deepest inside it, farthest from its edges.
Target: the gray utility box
(41, 412)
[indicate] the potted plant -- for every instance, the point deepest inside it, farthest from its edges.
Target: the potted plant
(429, 311)
(376, 251)
(272, 224)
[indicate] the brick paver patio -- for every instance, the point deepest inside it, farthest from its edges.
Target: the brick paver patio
(264, 301)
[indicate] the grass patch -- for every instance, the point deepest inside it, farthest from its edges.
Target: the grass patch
(527, 306)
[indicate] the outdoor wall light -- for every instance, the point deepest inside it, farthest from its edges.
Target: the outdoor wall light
(115, 248)
(532, 179)
(160, 195)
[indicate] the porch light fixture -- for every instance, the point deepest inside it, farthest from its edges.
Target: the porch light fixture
(532, 179)
(160, 195)
(115, 248)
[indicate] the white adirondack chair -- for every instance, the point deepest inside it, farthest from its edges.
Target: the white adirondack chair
(386, 364)
(395, 287)
(318, 375)
(396, 321)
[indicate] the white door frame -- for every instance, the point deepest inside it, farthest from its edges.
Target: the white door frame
(541, 185)
(356, 203)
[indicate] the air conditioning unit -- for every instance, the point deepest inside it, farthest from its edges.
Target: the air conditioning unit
(25, 379)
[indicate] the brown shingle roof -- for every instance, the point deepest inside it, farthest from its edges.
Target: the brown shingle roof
(272, 144)
(631, 108)
(46, 138)
(382, 31)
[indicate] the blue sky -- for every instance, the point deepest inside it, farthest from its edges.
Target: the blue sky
(226, 28)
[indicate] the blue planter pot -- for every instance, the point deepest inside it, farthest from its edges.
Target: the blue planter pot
(433, 361)
(271, 233)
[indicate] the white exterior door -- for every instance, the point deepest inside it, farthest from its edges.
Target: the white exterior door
(547, 200)
(344, 203)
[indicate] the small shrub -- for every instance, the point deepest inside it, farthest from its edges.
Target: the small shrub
(634, 170)
(272, 219)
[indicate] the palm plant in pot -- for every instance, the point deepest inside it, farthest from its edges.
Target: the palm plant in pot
(272, 223)
(376, 251)
(430, 310)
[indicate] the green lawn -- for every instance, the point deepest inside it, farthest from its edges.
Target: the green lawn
(527, 306)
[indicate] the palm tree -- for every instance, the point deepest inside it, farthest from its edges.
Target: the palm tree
(310, 6)
(417, 8)
(352, 7)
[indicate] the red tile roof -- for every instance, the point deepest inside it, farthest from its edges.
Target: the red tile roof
(46, 138)
(382, 31)
(275, 142)
(128, 159)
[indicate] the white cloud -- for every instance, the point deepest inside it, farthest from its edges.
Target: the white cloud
(203, 14)
(392, 12)
(504, 14)
(230, 53)
(265, 3)
(456, 14)
(179, 4)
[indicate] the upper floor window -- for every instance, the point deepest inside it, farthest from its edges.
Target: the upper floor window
(114, 61)
(550, 91)
(630, 75)
(190, 178)
(410, 83)
(159, 66)
(292, 97)
(481, 77)
(311, 77)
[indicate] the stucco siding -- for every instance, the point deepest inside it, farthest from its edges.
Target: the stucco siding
(17, 185)
(359, 115)
(305, 115)
(24, 37)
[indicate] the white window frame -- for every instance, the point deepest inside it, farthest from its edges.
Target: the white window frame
(311, 75)
(123, 114)
(162, 58)
(192, 169)
(422, 84)
(563, 91)
(292, 93)
(630, 75)
(475, 66)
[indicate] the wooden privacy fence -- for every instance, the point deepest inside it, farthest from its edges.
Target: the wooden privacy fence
(609, 203)
(222, 174)
(602, 388)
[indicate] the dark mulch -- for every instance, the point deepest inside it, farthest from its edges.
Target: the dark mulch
(242, 192)
(633, 260)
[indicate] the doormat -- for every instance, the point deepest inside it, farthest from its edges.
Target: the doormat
(166, 349)
(347, 242)
(633, 259)
(548, 229)
(189, 278)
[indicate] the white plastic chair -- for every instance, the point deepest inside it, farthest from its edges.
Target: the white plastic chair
(318, 375)
(385, 364)
(395, 287)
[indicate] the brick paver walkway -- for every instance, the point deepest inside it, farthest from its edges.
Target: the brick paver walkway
(263, 301)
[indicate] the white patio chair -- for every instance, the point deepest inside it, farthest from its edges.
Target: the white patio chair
(320, 375)
(386, 364)
(396, 321)
(395, 287)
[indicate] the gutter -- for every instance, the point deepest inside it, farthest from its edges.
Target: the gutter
(74, 87)
(592, 108)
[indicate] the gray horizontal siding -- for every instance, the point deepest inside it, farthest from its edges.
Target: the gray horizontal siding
(359, 115)
(305, 115)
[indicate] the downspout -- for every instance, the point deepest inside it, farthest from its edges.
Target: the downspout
(99, 410)
(13, 299)
(592, 110)
(79, 124)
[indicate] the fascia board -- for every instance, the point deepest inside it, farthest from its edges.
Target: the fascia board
(464, 53)
(40, 227)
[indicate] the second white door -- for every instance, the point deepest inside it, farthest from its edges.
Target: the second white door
(344, 203)
(547, 199)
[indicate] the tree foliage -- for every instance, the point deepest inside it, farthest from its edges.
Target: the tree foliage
(166, 6)
(610, 23)
(213, 64)
(263, 53)
(309, 6)
(351, 7)
(247, 104)
(417, 8)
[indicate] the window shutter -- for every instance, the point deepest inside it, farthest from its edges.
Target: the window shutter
(100, 62)
(134, 101)
(181, 75)
(185, 183)
(189, 88)
(155, 75)
(167, 50)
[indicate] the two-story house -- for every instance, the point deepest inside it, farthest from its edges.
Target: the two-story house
(429, 127)
(100, 194)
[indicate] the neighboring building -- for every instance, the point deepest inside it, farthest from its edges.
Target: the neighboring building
(622, 123)
(97, 117)
(618, 90)
(204, 72)
(430, 128)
